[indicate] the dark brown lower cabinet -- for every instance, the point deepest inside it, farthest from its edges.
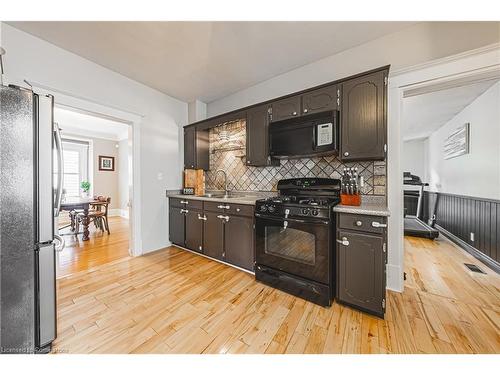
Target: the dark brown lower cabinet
(176, 225)
(361, 275)
(239, 241)
(194, 230)
(227, 235)
(213, 239)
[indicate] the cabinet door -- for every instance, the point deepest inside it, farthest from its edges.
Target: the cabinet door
(363, 125)
(194, 230)
(257, 136)
(202, 149)
(321, 100)
(213, 239)
(176, 225)
(239, 242)
(286, 108)
(361, 271)
(190, 148)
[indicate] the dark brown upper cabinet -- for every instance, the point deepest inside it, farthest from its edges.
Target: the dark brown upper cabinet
(320, 100)
(257, 123)
(363, 117)
(196, 148)
(286, 108)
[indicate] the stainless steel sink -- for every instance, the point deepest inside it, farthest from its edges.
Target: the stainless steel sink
(224, 196)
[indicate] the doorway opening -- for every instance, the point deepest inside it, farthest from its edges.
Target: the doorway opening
(451, 165)
(97, 189)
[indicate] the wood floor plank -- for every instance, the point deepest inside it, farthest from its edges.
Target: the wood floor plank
(172, 301)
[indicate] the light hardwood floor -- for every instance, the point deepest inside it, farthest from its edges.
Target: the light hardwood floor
(172, 301)
(102, 248)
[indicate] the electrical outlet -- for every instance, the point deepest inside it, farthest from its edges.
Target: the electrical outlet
(472, 236)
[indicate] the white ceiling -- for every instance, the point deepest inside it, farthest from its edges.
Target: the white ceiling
(424, 114)
(206, 60)
(85, 125)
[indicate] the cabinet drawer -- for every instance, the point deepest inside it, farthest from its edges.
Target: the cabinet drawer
(186, 203)
(241, 209)
(215, 206)
(364, 223)
(175, 202)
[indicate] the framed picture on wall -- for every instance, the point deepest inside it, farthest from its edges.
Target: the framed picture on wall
(457, 142)
(106, 163)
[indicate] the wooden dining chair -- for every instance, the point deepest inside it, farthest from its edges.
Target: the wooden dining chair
(98, 214)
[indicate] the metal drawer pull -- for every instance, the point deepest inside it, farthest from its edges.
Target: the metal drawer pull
(223, 217)
(238, 209)
(183, 211)
(344, 241)
(358, 223)
(294, 113)
(305, 110)
(184, 202)
(202, 217)
(376, 224)
(222, 206)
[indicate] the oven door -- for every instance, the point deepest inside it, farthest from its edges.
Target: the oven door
(296, 246)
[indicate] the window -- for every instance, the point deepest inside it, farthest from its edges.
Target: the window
(76, 166)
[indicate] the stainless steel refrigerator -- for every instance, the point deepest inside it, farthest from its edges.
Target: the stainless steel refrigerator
(30, 194)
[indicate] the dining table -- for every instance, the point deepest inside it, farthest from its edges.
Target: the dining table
(79, 203)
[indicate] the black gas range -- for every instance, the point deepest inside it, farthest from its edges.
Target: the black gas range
(295, 235)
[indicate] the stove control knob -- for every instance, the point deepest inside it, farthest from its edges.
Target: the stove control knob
(305, 211)
(263, 208)
(271, 209)
(315, 212)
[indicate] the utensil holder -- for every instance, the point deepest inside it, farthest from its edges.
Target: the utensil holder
(350, 199)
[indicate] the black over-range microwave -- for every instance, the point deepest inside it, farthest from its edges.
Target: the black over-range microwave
(311, 135)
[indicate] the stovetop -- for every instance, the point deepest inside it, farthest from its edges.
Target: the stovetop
(301, 197)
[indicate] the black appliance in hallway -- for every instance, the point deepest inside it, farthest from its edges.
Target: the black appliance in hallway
(295, 235)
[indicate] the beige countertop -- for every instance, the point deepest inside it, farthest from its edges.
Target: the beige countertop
(240, 199)
(366, 208)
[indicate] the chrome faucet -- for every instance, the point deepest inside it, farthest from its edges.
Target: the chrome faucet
(226, 192)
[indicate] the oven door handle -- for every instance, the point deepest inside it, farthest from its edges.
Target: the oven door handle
(313, 221)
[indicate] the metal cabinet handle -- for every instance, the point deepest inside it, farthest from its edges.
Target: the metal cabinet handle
(183, 211)
(344, 241)
(184, 202)
(294, 113)
(358, 223)
(202, 217)
(223, 217)
(238, 209)
(227, 207)
(346, 153)
(305, 110)
(376, 224)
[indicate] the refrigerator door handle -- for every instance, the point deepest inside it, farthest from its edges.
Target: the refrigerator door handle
(60, 172)
(59, 242)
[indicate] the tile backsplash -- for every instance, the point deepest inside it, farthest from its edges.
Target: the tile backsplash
(227, 152)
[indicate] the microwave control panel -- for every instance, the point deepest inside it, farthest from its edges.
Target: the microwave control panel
(324, 134)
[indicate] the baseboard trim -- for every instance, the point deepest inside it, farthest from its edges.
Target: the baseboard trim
(495, 266)
(215, 260)
(118, 212)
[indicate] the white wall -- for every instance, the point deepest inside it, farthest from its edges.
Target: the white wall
(413, 157)
(476, 174)
(40, 62)
(123, 174)
(417, 44)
